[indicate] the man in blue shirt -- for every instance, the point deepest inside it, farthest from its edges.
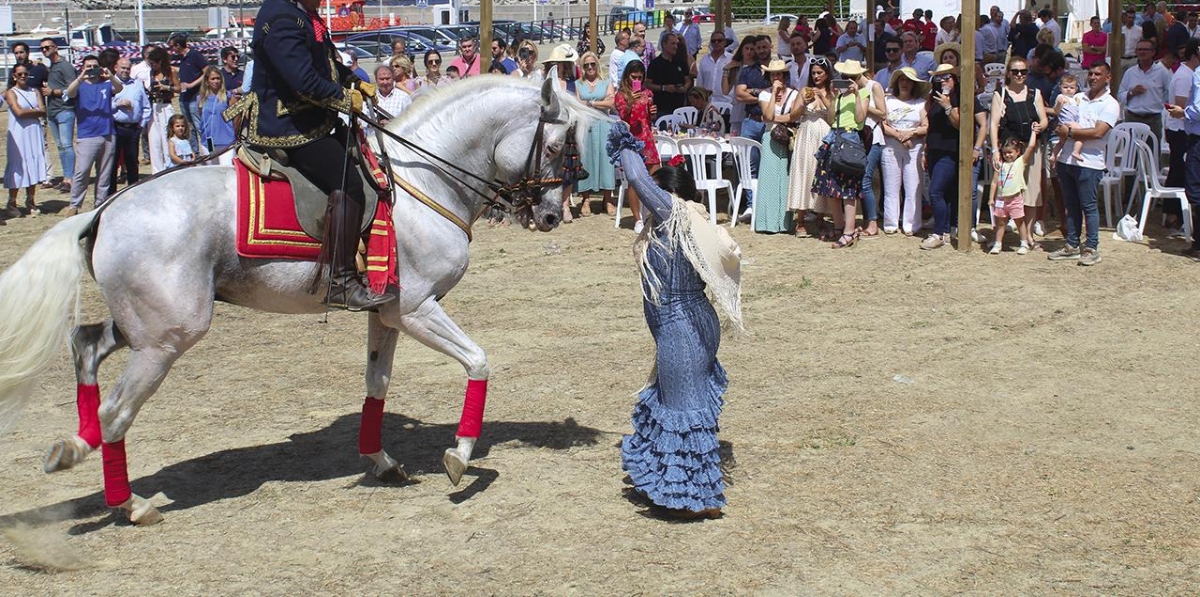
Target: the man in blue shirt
(229, 70)
(93, 92)
(191, 70)
(500, 55)
(750, 83)
(1191, 125)
(131, 112)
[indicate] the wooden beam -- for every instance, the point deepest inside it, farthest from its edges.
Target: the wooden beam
(871, 39)
(719, 12)
(485, 36)
(966, 127)
(593, 27)
(1116, 45)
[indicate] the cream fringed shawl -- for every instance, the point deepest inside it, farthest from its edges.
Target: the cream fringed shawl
(712, 252)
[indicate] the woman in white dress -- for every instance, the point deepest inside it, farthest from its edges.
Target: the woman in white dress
(26, 147)
(164, 84)
(904, 136)
(812, 128)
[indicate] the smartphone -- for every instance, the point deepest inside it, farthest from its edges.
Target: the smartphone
(93, 72)
(637, 85)
(209, 143)
(841, 84)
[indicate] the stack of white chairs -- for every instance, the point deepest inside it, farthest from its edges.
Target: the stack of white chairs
(689, 115)
(1120, 161)
(1147, 171)
(742, 152)
(670, 122)
(707, 177)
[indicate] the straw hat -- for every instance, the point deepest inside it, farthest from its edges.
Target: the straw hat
(944, 69)
(775, 66)
(920, 87)
(563, 53)
(850, 68)
(950, 45)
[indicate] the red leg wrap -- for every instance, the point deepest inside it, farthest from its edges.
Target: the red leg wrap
(370, 431)
(87, 398)
(116, 474)
(472, 415)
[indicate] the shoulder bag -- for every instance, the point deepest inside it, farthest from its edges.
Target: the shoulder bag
(847, 156)
(782, 133)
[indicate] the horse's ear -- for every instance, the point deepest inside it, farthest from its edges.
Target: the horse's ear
(550, 106)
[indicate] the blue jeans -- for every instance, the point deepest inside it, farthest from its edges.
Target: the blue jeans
(943, 187)
(870, 203)
(62, 125)
(1191, 185)
(1079, 186)
(752, 129)
(191, 111)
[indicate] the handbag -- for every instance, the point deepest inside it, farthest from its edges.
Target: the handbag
(847, 156)
(782, 133)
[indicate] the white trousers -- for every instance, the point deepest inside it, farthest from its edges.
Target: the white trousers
(158, 136)
(901, 167)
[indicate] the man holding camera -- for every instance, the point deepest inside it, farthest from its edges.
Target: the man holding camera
(93, 92)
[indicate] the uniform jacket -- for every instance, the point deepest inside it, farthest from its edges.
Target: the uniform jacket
(296, 83)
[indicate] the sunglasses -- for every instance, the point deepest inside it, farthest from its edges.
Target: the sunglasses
(818, 60)
(589, 65)
(891, 50)
(432, 62)
(1019, 72)
(717, 41)
(20, 74)
(48, 48)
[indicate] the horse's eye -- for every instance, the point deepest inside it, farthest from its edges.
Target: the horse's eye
(554, 149)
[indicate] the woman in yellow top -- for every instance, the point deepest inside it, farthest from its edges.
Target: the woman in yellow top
(848, 113)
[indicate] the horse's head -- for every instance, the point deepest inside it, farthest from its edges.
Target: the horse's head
(531, 158)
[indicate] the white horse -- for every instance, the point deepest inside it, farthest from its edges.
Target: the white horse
(163, 252)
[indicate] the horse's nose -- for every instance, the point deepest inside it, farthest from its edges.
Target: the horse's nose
(551, 221)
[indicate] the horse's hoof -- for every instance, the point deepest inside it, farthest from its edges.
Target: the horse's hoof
(141, 512)
(65, 454)
(455, 465)
(395, 474)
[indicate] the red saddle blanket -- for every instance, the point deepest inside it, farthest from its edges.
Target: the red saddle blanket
(267, 227)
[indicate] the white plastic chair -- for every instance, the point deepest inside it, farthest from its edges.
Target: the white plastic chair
(1147, 167)
(667, 147)
(669, 121)
(994, 69)
(724, 108)
(689, 115)
(1119, 162)
(742, 151)
(698, 151)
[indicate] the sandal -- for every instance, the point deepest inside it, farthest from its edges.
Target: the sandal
(843, 243)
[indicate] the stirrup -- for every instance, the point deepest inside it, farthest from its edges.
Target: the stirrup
(351, 295)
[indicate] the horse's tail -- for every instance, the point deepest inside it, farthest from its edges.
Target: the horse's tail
(38, 295)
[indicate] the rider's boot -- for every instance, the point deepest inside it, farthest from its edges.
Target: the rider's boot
(346, 290)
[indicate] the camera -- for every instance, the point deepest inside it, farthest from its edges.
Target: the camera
(841, 84)
(93, 72)
(936, 82)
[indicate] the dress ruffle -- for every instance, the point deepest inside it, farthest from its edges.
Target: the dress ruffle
(673, 456)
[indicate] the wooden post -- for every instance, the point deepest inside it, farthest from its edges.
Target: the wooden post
(871, 39)
(593, 27)
(485, 36)
(719, 15)
(966, 127)
(1116, 45)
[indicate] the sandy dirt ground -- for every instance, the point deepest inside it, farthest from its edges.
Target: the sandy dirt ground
(898, 422)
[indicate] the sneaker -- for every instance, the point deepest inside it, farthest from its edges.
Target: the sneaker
(1039, 228)
(1023, 249)
(68, 212)
(996, 248)
(933, 241)
(1064, 254)
(745, 217)
(1089, 257)
(638, 226)
(1176, 233)
(976, 236)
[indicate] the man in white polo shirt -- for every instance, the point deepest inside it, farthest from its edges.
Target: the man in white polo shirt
(1144, 88)
(1098, 113)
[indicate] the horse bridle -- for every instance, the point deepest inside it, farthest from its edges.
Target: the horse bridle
(525, 193)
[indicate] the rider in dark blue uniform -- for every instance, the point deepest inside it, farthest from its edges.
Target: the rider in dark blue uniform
(297, 86)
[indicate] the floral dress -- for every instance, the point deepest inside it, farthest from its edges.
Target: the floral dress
(637, 116)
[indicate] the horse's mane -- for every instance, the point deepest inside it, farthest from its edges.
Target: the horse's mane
(427, 102)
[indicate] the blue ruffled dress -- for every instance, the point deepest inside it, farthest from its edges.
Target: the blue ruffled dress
(672, 456)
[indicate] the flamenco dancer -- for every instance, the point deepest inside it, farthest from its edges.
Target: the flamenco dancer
(672, 455)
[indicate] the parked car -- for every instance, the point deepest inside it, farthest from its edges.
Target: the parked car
(618, 14)
(413, 44)
(438, 36)
(776, 17)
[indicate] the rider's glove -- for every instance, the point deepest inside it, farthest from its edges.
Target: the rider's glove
(356, 99)
(367, 89)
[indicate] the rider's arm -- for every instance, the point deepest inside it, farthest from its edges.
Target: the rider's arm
(653, 198)
(287, 48)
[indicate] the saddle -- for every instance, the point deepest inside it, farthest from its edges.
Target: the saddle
(310, 201)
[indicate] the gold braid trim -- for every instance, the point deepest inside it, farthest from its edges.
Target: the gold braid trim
(434, 205)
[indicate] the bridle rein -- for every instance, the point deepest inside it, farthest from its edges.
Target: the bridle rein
(514, 197)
